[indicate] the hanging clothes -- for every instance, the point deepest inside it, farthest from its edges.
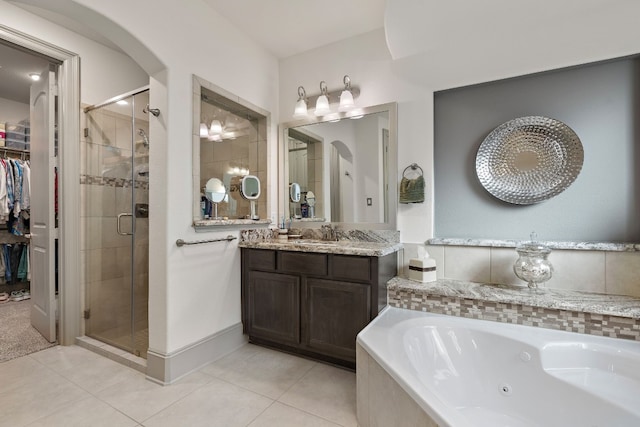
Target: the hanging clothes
(4, 202)
(23, 264)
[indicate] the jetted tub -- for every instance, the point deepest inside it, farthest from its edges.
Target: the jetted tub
(467, 372)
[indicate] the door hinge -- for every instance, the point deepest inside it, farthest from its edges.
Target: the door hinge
(87, 314)
(86, 132)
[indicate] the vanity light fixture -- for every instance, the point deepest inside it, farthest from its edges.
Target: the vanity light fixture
(301, 105)
(322, 104)
(322, 101)
(346, 97)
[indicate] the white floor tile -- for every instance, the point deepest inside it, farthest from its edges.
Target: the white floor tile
(140, 399)
(327, 392)
(216, 404)
(264, 371)
(69, 386)
(37, 397)
(279, 415)
(87, 412)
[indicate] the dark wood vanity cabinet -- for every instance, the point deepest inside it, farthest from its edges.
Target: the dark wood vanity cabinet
(312, 303)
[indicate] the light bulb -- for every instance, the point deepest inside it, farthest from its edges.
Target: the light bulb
(346, 101)
(216, 127)
(301, 109)
(301, 105)
(204, 131)
(322, 106)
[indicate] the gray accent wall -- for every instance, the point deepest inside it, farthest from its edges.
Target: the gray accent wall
(600, 102)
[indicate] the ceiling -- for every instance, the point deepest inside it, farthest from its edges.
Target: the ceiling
(283, 27)
(15, 66)
(289, 27)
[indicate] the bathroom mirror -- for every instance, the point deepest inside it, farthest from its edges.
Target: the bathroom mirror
(215, 190)
(349, 163)
(250, 187)
(294, 192)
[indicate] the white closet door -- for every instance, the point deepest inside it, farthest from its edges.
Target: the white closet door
(43, 310)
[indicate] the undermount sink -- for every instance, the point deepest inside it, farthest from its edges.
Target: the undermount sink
(315, 242)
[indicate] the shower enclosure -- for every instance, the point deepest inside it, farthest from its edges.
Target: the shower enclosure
(115, 186)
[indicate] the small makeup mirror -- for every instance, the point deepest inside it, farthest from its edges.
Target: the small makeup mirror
(250, 190)
(294, 192)
(215, 192)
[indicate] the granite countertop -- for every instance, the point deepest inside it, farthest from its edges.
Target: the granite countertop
(575, 246)
(344, 247)
(561, 299)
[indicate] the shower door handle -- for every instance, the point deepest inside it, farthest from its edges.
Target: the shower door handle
(119, 227)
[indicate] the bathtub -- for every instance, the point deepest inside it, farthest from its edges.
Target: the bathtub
(467, 372)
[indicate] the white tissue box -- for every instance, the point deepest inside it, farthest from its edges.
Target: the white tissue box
(422, 270)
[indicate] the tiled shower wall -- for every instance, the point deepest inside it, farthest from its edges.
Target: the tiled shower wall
(608, 272)
(106, 255)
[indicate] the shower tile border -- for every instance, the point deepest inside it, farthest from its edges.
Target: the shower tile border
(87, 179)
(405, 294)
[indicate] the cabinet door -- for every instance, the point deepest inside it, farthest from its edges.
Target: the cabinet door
(274, 307)
(335, 312)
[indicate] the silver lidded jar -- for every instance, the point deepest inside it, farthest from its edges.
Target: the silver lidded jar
(533, 265)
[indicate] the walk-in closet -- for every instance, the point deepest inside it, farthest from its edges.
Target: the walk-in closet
(22, 75)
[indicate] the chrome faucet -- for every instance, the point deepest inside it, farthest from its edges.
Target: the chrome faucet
(329, 232)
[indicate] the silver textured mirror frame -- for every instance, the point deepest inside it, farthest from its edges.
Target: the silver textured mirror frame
(392, 169)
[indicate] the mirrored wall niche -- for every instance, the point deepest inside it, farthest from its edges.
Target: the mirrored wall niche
(349, 164)
(230, 142)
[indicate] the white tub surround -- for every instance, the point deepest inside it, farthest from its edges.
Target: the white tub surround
(464, 372)
(574, 311)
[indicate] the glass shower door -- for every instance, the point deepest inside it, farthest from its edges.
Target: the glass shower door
(115, 186)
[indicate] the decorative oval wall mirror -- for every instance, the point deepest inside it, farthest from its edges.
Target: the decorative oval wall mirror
(529, 159)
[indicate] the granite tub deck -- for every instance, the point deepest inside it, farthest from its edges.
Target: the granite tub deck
(615, 316)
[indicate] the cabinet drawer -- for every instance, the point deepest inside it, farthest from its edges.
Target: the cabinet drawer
(351, 267)
(259, 259)
(305, 263)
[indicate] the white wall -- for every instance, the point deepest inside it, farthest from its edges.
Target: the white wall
(12, 111)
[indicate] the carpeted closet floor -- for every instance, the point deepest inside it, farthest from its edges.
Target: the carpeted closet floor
(17, 336)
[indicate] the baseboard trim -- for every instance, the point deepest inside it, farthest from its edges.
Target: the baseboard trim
(168, 368)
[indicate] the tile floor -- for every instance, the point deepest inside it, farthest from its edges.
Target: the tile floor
(254, 386)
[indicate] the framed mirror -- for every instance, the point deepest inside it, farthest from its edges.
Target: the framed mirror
(347, 164)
